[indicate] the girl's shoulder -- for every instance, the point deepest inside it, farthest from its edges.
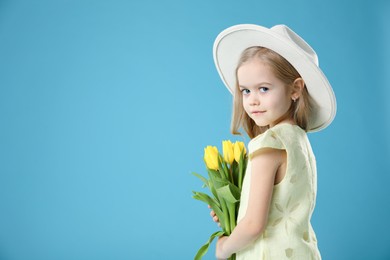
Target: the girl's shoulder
(288, 131)
(277, 137)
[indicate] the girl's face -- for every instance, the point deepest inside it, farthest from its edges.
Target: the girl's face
(266, 99)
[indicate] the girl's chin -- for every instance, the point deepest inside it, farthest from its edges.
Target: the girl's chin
(261, 124)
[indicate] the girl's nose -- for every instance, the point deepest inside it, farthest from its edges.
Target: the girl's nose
(254, 100)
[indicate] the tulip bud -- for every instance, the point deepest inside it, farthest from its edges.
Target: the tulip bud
(228, 151)
(239, 148)
(211, 157)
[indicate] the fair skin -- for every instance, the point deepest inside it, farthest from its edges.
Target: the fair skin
(266, 99)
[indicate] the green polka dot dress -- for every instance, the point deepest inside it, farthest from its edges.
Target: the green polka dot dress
(288, 233)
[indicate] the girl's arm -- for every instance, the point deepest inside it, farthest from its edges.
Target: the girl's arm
(265, 164)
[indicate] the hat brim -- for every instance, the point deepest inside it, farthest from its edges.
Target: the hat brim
(231, 42)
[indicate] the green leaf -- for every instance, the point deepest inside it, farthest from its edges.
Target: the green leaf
(218, 183)
(217, 179)
(215, 182)
(214, 204)
(214, 174)
(203, 179)
(204, 197)
(211, 186)
(203, 250)
(230, 193)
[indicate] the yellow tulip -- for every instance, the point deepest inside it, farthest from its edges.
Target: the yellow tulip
(239, 148)
(211, 157)
(228, 151)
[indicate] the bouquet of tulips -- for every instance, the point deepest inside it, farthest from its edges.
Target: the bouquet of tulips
(225, 176)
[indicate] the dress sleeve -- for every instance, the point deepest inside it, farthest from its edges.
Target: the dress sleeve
(268, 139)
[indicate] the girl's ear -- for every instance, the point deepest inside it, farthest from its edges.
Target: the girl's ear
(297, 88)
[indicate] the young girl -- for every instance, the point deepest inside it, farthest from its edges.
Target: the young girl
(280, 93)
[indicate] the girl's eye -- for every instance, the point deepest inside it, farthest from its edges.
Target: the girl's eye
(263, 89)
(245, 91)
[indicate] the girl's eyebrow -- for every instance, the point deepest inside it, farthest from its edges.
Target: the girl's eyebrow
(256, 86)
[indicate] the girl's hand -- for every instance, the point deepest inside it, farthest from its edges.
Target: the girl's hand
(214, 216)
(219, 251)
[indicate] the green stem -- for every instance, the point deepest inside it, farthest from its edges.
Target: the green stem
(224, 168)
(231, 174)
(226, 225)
(241, 170)
(232, 216)
(240, 173)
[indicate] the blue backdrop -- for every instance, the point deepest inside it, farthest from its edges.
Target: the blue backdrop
(105, 107)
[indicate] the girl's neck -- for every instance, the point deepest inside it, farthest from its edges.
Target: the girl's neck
(284, 121)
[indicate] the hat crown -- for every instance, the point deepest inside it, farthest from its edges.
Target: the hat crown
(294, 38)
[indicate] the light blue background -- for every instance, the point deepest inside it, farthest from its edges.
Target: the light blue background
(105, 107)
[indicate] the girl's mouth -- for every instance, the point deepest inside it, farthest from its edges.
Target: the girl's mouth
(255, 113)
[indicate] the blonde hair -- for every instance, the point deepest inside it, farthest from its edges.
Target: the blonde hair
(283, 70)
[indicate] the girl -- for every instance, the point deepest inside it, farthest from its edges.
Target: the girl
(280, 93)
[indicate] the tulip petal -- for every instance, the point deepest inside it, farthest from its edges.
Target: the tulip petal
(228, 151)
(211, 157)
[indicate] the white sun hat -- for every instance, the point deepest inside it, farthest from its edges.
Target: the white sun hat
(231, 42)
